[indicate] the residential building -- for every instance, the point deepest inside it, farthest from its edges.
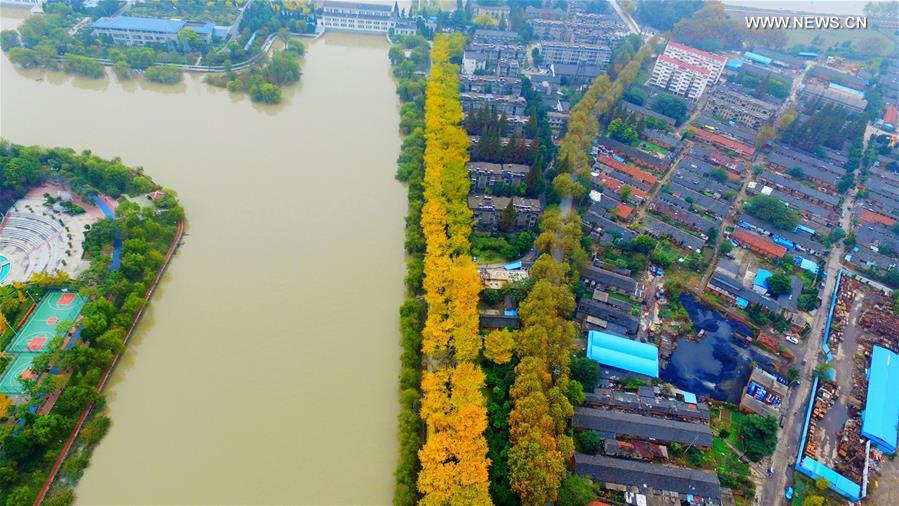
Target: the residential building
(598, 278)
(686, 71)
(483, 36)
(497, 12)
(357, 17)
(690, 486)
(758, 244)
(495, 85)
(576, 74)
(721, 142)
(138, 31)
(730, 104)
(649, 404)
(572, 54)
(763, 394)
(642, 427)
(473, 61)
(835, 94)
(487, 211)
(493, 52)
(484, 175)
(510, 105)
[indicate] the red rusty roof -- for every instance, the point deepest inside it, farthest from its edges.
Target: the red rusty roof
(759, 244)
(633, 172)
(739, 147)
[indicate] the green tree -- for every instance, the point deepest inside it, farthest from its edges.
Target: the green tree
(507, 218)
(771, 209)
(822, 484)
(793, 375)
(163, 74)
(823, 371)
(8, 40)
(813, 500)
(576, 491)
(779, 284)
(757, 436)
(588, 441)
(585, 371)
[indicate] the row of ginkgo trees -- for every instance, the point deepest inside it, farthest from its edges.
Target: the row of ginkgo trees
(453, 458)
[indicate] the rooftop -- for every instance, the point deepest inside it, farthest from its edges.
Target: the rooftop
(141, 24)
(881, 416)
(643, 474)
(623, 353)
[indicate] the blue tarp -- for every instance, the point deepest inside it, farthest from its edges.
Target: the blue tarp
(783, 242)
(761, 279)
(838, 483)
(742, 303)
(689, 397)
(510, 312)
(512, 266)
(881, 416)
(623, 353)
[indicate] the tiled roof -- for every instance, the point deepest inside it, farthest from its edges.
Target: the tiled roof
(757, 243)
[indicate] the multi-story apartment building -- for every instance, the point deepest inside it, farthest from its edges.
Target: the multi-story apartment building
(730, 104)
(686, 71)
(484, 176)
(510, 105)
(571, 54)
(484, 36)
(129, 30)
(357, 17)
(497, 12)
(490, 84)
(487, 211)
(493, 53)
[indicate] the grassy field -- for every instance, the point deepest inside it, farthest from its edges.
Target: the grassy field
(867, 44)
(653, 148)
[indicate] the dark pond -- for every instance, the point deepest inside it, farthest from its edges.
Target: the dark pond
(719, 364)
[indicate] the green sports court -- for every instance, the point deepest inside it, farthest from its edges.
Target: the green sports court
(34, 337)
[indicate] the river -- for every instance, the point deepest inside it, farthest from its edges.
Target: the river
(265, 369)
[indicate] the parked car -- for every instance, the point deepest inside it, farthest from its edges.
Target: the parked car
(792, 339)
(789, 493)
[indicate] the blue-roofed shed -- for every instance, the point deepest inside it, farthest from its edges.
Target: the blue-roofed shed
(764, 60)
(881, 416)
(513, 266)
(844, 89)
(761, 279)
(623, 353)
(806, 264)
(734, 64)
(838, 483)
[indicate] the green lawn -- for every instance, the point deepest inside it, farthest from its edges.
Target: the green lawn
(653, 148)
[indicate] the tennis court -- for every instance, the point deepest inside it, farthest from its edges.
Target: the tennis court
(34, 337)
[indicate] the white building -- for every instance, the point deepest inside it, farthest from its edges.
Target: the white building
(573, 54)
(357, 17)
(140, 31)
(686, 71)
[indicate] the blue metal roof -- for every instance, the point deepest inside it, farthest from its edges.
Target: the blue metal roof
(623, 353)
(806, 264)
(143, 24)
(764, 60)
(881, 416)
(838, 483)
(839, 87)
(512, 266)
(761, 279)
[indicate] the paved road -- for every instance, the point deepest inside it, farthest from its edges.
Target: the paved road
(626, 17)
(784, 458)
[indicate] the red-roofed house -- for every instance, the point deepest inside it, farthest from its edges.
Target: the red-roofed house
(722, 142)
(624, 211)
(633, 172)
(889, 116)
(758, 244)
(873, 217)
(615, 185)
(686, 71)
